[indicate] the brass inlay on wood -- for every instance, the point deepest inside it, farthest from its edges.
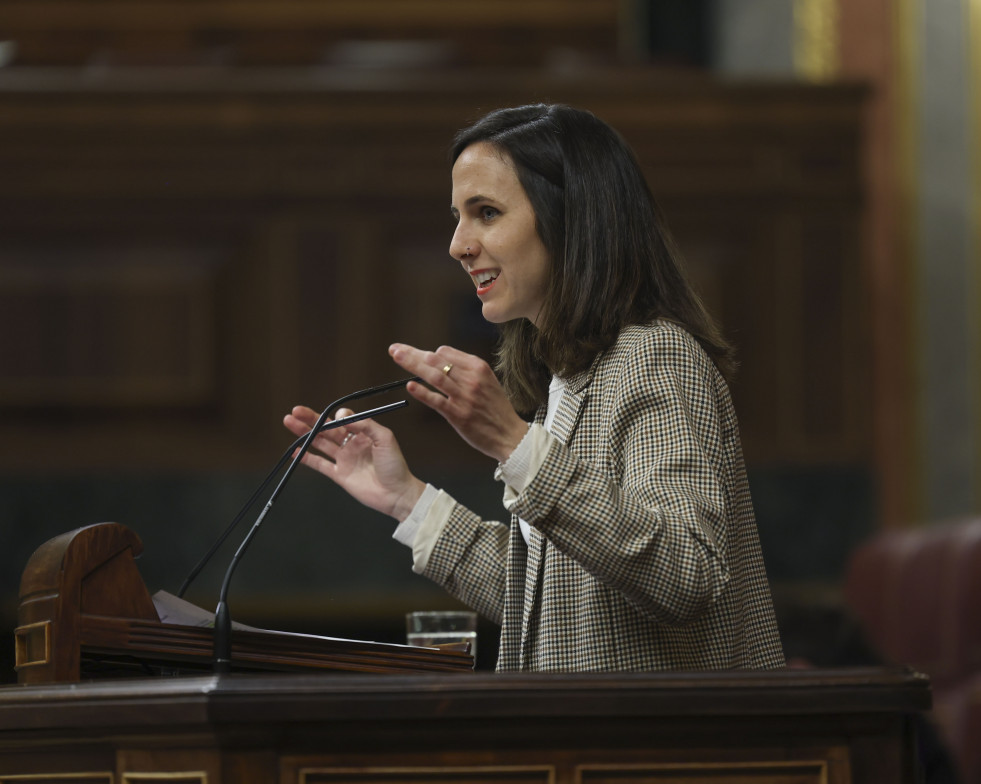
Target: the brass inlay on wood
(43, 778)
(32, 644)
(410, 774)
(160, 777)
(734, 772)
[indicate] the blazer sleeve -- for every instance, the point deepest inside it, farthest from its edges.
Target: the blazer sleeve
(640, 498)
(469, 560)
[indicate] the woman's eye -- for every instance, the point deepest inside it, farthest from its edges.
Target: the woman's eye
(488, 213)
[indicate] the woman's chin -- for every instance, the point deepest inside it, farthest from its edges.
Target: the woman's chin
(492, 315)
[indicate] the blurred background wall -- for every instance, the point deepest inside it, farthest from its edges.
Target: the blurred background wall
(211, 211)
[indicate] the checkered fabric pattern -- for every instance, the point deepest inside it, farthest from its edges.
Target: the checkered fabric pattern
(644, 552)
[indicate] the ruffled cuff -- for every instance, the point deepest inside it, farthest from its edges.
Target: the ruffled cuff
(425, 523)
(520, 469)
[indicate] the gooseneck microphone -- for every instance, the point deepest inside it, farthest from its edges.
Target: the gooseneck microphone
(223, 622)
(362, 393)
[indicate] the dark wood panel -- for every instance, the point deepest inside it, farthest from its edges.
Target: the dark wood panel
(279, 229)
(119, 325)
(307, 31)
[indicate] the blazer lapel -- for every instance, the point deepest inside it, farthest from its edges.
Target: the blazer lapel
(563, 426)
(567, 414)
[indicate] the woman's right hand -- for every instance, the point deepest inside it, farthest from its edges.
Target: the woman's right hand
(363, 458)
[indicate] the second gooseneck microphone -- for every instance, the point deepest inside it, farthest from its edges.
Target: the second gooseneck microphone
(223, 623)
(359, 395)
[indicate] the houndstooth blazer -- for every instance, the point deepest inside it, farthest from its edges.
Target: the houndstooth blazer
(643, 553)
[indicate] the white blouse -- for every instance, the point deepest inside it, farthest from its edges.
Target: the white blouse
(422, 527)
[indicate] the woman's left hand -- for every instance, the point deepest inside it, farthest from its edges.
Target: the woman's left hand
(468, 396)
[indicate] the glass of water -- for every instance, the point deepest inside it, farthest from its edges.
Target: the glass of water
(436, 627)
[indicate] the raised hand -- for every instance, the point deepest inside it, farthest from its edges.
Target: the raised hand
(364, 458)
(468, 396)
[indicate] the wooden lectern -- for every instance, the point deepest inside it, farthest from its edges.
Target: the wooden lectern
(783, 727)
(85, 612)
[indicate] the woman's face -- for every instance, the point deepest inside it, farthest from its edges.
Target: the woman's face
(495, 237)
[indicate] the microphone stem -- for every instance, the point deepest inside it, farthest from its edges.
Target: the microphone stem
(223, 619)
(223, 616)
(362, 393)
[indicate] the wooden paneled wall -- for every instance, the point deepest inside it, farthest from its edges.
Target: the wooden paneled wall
(186, 254)
(285, 32)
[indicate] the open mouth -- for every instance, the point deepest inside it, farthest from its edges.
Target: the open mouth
(484, 280)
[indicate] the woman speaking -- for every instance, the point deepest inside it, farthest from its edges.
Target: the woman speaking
(632, 543)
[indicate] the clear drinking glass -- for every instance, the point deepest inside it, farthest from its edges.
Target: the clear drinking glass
(434, 627)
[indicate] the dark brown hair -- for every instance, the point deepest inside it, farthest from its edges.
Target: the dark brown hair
(612, 261)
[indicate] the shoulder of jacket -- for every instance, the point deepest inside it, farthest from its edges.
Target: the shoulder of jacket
(643, 349)
(666, 337)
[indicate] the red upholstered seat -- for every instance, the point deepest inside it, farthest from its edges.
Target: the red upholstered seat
(917, 596)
